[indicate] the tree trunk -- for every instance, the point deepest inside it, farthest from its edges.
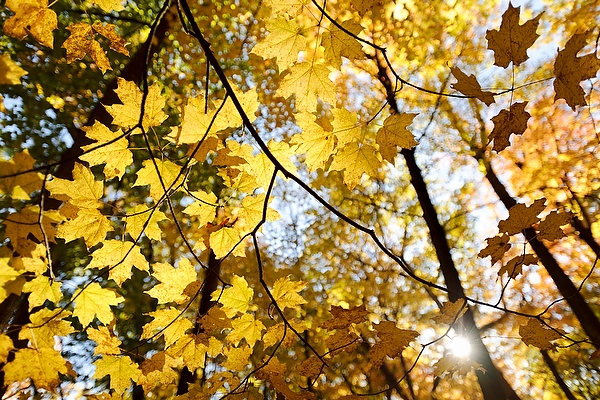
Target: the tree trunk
(559, 380)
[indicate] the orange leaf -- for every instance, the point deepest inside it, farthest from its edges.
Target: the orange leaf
(468, 85)
(521, 217)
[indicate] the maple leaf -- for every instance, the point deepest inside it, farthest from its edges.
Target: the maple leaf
(166, 175)
(394, 134)
(45, 325)
(121, 371)
(42, 289)
(245, 327)
(286, 294)
(342, 341)
(284, 42)
(316, 142)
(173, 281)
(31, 17)
(549, 228)
(42, 366)
(536, 334)
(192, 349)
(508, 122)
(225, 240)
(110, 5)
(10, 72)
(20, 187)
(19, 225)
(82, 42)
(6, 346)
(203, 208)
(339, 44)
(251, 212)
(570, 70)
(127, 115)
(311, 367)
(195, 123)
(356, 160)
(274, 373)
(289, 7)
(107, 343)
(89, 224)
(346, 127)
(111, 149)
(83, 191)
(468, 85)
(95, 301)
(237, 357)
(235, 298)
(511, 41)
(451, 311)
(515, 265)
(120, 256)
(168, 322)
(308, 82)
(456, 366)
(158, 370)
(342, 318)
(215, 319)
(391, 342)
(521, 217)
(140, 220)
(496, 248)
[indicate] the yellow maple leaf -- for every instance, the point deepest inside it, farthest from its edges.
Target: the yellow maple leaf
(245, 327)
(120, 369)
(82, 42)
(286, 294)
(394, 134)
(10, 72)
(95, 301)
(192, 349)
(251, 212)
(550, 227)
(468, 85)
(508, 122)
(41, 289)
(173, 281)
(215, 320)
(89, 224)
(284, 41)
(496, 248)
(229, 116)
(111, 148)
(521, 217)
(127, 115)
(142, 219)
(20, 187)
(158, 370)
(289, 7)
(339, 44)
(31, 17)
(235, 299)
(107, 343)
(308, 82)
(237, 357)
(166, 175)
(451, 311)
(109, 5)
(195, 123)
(11, 280)
(356, 160)
(44, 326)
(6, 346)
(511, 41)
(83, 191)
(346, 127)
(19, 225)
(391, 342)
(515, 265)
(167, 322)
(203, 208)
(42, 366)
(536, 334)
(225, 240)
(316, 142)
(342, 318)
(120, 256)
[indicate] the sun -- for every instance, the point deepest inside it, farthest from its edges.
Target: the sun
(460, 347)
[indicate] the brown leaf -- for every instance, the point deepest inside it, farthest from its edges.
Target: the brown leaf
(511, 41)
(570, 70)
(342, 318)
(468, 85)
(522, 217)
(515, 266)
(496, 248)
(549, 228)
(508, 122)
(536, 334)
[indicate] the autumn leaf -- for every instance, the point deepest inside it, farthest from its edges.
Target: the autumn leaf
(238, 358)
(144, 219)
(110, 5)
(6, 345)
(191, 348)
(346, 127)
(31, 17)
(511, 41)
(20, 186)
(356, 160)
(120, 369)
(107, 343)
(95, 301)
(111, 149)
(274, 373)
(456, 366)
(168, 322)
(251, 212)
(42, 289)
(158, 174)
(120, 256)
(308, 82)
(314, 141)
(289, 7)
(536, 334)
(83, 191)
(391, 342)
(173, 281)
(245, 327)
(286, 294)
(342, 341)
(342, 318)
(496, 248)
(158, 370)
(521, 217)
(226, 240)
(549, 228)
(45, 325)
(127, 115)
(451, 311)
(10, 72)
(42, 366)
(515, 265)
(82, 42)
(339, 44)
(570, 70)
(236, 298)
(468, 85)
(284, 41)
(394, 134)
(507, 122)
(203, 208)
(215, 320)
(195, 123)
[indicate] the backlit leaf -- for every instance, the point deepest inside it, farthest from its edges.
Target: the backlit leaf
(95, 301)
(521, 217)
(469, 86)
(536, 334)
(508, 122)
(235, 299)
(31, 17)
